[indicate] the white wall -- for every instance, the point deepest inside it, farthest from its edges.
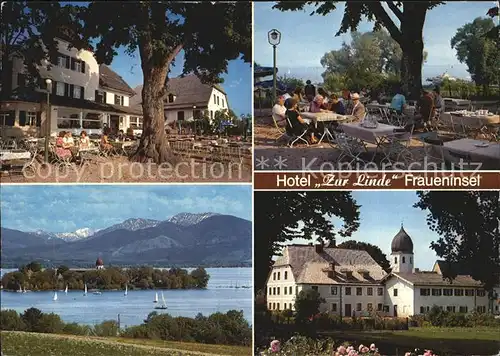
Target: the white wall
(405, 299)
(110, 97)
(213, 106)
(444, 301)
(399, 266)
(277, 280)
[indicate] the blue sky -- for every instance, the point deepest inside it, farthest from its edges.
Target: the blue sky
(237, 81)
(66, 208)
(381, 214)
(305, 39)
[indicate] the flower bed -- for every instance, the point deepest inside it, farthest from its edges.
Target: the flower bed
(300, 345)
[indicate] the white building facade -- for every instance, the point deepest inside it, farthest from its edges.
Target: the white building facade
(352, 283)
(83, 96)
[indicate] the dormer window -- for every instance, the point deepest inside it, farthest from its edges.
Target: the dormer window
(348, 274)
(171, 98)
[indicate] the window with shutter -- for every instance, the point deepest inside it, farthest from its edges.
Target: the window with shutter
(66, 89)
(83, 66)
(72, 63)
(22, 118)
(39, 119)
(82, 93)
(68, 58)
(21, 80)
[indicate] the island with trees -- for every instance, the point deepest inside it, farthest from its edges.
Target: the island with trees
(35, 277)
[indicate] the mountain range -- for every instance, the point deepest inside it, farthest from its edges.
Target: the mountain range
(185, 239)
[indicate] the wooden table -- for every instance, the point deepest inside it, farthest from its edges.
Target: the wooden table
(326, 117)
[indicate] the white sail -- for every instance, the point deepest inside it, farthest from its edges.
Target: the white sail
(126, 289)
(156, 298)
(20, 289)
(66, 290)
(85, 293)
(24, 291)
(55, 296)
(163, 299)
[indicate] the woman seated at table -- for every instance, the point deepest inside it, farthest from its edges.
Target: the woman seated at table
(336, 105)
(317, 105)
(325, 96)
(298, 94)
(68, 139)
(296, 124)
(84, 140)
(105, 145)
(62, 149)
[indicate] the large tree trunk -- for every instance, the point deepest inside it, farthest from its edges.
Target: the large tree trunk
(412, 46)
(153, 145)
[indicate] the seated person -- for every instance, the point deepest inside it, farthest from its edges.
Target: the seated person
(120, 136)
(336, 105)
(62, 150)
(105, 145)
(346, 100)
(298, 125)
(438, 100)
(358, 109)
(297, 94)
(325, 96)
(68, 139)
(317, 105)
(398, 102)
(279, 111)
(84, 140)
(425, 110)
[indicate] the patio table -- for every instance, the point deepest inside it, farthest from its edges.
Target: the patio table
(326, 117)
(479, 150)
(11, 155)
(377, 136)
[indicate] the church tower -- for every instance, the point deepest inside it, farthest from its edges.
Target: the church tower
(402, 252)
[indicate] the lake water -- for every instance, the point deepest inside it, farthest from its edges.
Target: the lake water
(220, 296)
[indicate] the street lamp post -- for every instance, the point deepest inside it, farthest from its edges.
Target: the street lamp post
(274, 38)
(48, 81)
(194, 120)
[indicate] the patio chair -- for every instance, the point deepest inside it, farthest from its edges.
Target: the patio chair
(296, 133)
(397, 146)
(349, 147)
(281, 134)
(58, 161)
(395, 118)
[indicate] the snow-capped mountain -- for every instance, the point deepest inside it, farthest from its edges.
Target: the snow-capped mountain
(82, 233)
(77, 235)
(188, 219)
(129, 224)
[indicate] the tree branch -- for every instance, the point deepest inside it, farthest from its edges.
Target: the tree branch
(384, 18)
(392, 5)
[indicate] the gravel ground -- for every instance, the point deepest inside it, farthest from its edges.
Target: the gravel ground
(121, 170)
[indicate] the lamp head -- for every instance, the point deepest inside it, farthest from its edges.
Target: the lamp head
(274, 37)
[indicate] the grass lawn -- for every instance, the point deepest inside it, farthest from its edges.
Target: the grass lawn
(444, 341)
(33, 344)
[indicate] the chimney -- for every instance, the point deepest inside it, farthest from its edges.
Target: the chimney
(319, 248)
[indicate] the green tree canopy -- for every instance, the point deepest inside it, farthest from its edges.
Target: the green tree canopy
(209, 33)
(406, 30)
(283, 216)
(374, 251)
(307, 304)
(480, 53)
(468, 223)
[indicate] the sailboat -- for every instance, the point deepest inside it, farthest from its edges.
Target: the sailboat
(55, 296)
(66, 290)
(85, 293)
(156, 298)
(126, 290)
(163, 304)
(20, 289)
(24, 290)
(97, 292)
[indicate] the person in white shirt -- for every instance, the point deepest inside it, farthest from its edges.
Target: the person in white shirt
(279, 111)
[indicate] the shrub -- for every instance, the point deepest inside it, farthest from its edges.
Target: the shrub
(50, 323)
(76, 329)
(106, 328)
(11, 320)
(31, 318)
